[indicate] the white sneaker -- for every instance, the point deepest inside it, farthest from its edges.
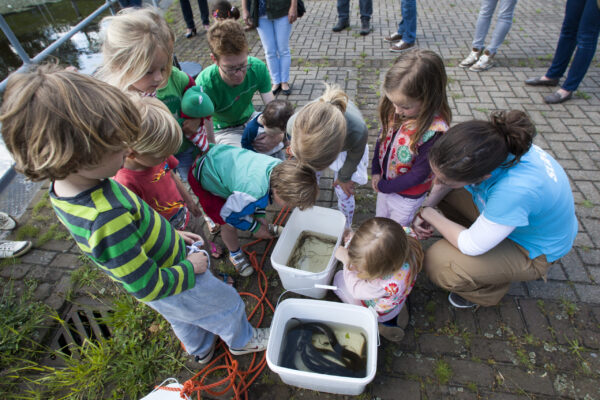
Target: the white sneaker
(10, 248)
(486, 61)
(241, 264)
(258, 342)
(6, 222)
(471, 59)
(211, 352)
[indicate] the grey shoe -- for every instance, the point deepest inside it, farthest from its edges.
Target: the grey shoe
(404, 317)
(391, 333)
(556, 98)
(460, 302)
(541, 82)
(365, 26)
(341, 25)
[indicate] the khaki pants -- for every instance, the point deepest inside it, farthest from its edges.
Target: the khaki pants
(483, 279)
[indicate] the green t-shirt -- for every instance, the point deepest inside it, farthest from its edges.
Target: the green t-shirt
(233, 105)
(172, 94)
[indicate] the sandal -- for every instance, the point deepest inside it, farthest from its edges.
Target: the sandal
(241, 264)
(227, 279)
(216, 251)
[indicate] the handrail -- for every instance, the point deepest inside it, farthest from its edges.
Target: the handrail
(27, 62)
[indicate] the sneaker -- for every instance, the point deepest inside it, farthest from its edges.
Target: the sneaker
(6, 222)
(365, 26)
(401, 46)
(403, 318)
(241, 264)
(275, 230)
(258, 342)
(341, 25)
(471, 58)
(393, 333)
(486, 61)
(393, 38)
(206, 359)
(460, 302)
(10, 248)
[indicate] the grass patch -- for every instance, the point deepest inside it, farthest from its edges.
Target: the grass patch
(443, 371)
(582, 95)
(27, 232)
(53, 233)
(587, 204)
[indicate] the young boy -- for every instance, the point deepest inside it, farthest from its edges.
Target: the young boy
(272, 121)
(232, 81)
(74, 130)
(235, 186)
(149, 168)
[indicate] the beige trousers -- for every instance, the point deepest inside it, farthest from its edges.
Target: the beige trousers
(483, 279)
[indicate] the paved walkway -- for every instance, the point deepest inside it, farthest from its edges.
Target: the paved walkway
(543, 340)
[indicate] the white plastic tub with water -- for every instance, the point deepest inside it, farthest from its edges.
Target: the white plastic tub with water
(326, 312)
(321, 220)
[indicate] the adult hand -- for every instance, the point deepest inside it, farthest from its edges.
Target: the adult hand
(375, 182)
(264, 143)
(347, 187)
(190, 237)
(422, 228)
(200, 262)
(190, 127)
(246, 16)
(263, 232)
(293, 13)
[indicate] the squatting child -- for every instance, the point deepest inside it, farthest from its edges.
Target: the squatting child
(381, 264)
(272, 121)
(236, 185)
(75, 131)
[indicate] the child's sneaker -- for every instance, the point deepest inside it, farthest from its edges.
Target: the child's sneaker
(206, 359)
(258, 342)
(275, 230)
(486, 61)
(471, 58)
(241, 264)
(460, 302)
(393, 332)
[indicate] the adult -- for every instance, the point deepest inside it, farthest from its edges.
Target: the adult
(273, 19)
(188, 16)
(580, 29)
(231, 82)
(366, 10)
(514, 219)
(479, 59)
(405, 37)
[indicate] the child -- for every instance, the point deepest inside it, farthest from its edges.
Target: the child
(414, 112)
(223, 10)
(148, 168)
(331, 132)
(138, 56)
(381, 264)
(272, 121)
(74, 130)
(235, 186)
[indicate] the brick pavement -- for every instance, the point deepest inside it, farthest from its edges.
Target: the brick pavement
(543, 340)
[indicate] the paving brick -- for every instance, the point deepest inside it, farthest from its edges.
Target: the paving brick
(465, 371)
(551, 290)
(498, 350)
(68, 261)
(535, 320)
(489, 321)
(40, 257)
(515, 379)
(14, 271)
(385, 387)
(588, 293)
(511, 316)
(412, 364)
(432, 344)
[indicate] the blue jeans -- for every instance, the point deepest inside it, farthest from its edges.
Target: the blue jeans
(186, 159)
(503, 24)
(275, 37)
(365, 6)
(408, 26)
(188, 14)
(579, 31)
(210, 308)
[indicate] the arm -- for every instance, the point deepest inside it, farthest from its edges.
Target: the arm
(353, 157)
(293, 12)
(267, 97)
(361, 289)
(422, 228)
(246, 12)
(187, 198)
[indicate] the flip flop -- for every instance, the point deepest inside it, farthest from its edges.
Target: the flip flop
(227, 279)
(216, 251)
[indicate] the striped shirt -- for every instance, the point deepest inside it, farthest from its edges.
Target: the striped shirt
(130, 241)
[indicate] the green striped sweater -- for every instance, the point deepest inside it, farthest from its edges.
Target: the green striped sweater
(130, 241)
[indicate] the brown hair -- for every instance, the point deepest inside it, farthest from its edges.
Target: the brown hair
(470, 150)
(319, 130)
(277, 113)
(226, 38)
(224, 10)
(55, 122)
(419, 75)
(295, 184)
(160, 133)
(380, 247)
(131, 39)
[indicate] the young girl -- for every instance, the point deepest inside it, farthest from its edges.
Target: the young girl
(138, 56)
(224, 10)
(414, 112)
(272, 121)
(381, 264)
(331, 132)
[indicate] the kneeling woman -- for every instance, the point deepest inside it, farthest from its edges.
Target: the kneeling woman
(514, 219)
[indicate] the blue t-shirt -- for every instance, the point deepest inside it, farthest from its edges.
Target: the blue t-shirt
(535, 197)
(251, 131)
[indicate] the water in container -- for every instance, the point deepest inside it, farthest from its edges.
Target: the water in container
(312, 251)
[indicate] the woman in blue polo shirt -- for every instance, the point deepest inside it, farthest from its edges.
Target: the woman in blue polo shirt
(507, 209)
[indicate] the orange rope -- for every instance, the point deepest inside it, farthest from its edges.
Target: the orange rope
(237, 379)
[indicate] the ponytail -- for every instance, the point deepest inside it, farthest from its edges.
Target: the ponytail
(470, 150)
(335, 96)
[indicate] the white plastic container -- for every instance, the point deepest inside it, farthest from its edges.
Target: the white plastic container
(316, 219)
(327, 312)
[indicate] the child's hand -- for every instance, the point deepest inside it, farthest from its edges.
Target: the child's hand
(347, 187)
(190, 237)
(200, 262)
(375, 181)
(422, 228)
(190, 127)
(264, 143)
(263, 232)
(341, 253)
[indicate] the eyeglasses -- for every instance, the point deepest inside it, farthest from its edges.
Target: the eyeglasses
(235, 70)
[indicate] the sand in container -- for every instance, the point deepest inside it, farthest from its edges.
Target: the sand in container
(312, 251)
